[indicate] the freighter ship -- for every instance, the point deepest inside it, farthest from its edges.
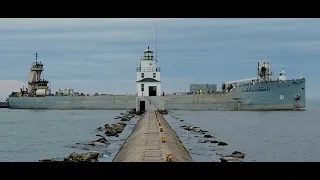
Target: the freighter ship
(258, 93)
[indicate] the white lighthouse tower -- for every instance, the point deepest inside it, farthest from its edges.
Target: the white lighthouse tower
(148, 75)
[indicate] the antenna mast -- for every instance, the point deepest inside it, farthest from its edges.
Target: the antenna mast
(36, 56)
(156, 41)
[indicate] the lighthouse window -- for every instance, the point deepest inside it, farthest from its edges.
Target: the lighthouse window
(154, 75)
(142, 75)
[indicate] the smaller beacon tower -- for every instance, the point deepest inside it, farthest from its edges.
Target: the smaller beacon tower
(264, 71)
(282, 75)
(36, 85)
(148, 76)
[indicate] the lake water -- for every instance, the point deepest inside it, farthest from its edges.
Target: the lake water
(28, 135)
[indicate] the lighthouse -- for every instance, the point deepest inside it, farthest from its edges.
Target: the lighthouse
(148, 75)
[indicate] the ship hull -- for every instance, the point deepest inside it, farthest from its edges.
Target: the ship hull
(265, 96)
(74, 102)
(274, 95)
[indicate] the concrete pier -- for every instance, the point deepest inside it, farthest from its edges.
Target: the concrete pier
(152, 140)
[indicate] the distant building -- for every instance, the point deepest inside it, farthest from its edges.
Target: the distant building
(207, 88)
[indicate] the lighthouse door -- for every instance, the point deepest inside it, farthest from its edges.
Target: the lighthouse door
(152, 90)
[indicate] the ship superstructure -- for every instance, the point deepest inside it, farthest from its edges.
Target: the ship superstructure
(36, 85)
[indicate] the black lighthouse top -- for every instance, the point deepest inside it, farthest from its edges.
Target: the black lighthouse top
(148, 55)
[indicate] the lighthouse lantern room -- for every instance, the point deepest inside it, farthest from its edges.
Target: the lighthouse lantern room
(148, 76)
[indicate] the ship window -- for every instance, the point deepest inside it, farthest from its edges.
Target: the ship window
(142, 87)
(142, 75)
(154, 75)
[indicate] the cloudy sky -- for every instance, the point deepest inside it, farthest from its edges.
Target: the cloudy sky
(101, 55)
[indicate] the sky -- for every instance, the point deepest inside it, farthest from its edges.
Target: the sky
(101, 55)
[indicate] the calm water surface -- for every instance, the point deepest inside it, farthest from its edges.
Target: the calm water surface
(28, 135)
(262, 136)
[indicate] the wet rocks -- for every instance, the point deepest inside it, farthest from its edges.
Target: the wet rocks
(114, 129)
(222, 144)
(122, 123)
(237, 154)
(189, 128)
(125, 119)
(77, 157)
(205, 137)
(229, 159)
(193, 128)
(108, 129)
(162, 111)
(48, 160)
(82, 157)
(99, 142)
(212, 141)
(132, 111)
(135, 112)
(234, 157)
(208, 136)
(139, 112)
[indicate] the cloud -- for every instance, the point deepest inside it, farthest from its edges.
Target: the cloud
(7, 86)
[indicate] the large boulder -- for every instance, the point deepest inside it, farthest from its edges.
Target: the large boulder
(110, 130)
(82, 157)
(114, 129)
(222, 143)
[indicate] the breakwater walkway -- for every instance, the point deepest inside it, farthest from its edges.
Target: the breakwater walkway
(152, 140)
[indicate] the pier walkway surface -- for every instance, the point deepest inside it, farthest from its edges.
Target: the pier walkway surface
(152, 140)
